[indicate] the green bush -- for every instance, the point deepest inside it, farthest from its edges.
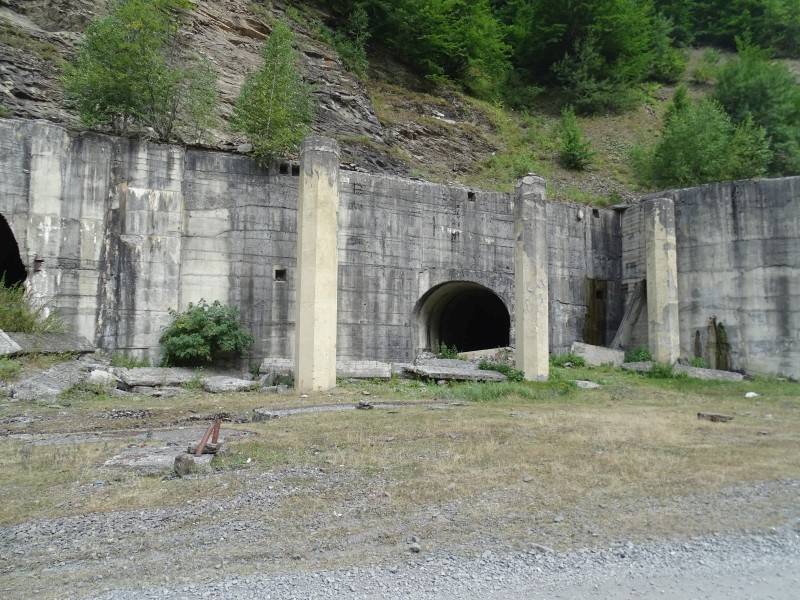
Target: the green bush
(17, 314)
(561, 360)
(706, 71)
(575, 152)
(204, 334)
(753, 87)
(698, 362)
(669, 62)
(130, 71)
(81, 392)
(639, 354)
(446, 351)
(510, 372)
(700, 144)
(275, 107)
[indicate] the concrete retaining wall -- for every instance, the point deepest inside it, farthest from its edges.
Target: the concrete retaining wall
(115, 232)
(738, 247)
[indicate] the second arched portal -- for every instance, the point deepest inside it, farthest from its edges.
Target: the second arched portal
(464, 315)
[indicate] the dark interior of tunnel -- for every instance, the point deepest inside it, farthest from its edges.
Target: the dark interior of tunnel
(12, 269)
(474, 319)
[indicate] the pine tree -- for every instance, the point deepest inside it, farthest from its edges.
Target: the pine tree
(576, 152)
(275, 106)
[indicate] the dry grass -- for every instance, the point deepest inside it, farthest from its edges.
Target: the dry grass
(499, 465)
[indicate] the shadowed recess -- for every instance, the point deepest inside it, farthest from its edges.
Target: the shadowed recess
(12, 269)
(463, 314)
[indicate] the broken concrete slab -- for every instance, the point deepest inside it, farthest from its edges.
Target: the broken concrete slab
(156, 376)
(707, 374)
(8, 346)
(46, 343)
(454, 373)
(693, 372)
(597, 356)
(263, 414)
(504, 355)
(102, 378)
(150, 460)
(587, 385)
(50, 383)
(221, 384)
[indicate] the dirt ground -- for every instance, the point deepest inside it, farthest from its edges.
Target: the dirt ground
(431, 470)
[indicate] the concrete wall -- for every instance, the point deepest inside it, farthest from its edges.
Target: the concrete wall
(125, 230)
(738, 262)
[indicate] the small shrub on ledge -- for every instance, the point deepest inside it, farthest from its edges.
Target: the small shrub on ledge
(204, 334)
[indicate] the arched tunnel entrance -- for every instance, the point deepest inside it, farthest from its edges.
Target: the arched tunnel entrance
(463, 314)
(12, 269)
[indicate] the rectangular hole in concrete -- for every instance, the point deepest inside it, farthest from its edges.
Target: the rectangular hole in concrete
(471, 196)
(284, 169)
(295, 170)
(280, 275)
(595, 213)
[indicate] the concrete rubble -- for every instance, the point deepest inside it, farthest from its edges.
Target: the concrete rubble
(13, 343)
(597, 356)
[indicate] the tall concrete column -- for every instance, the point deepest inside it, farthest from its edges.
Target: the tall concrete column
(317, 266)
(662, 280)
(531, 306)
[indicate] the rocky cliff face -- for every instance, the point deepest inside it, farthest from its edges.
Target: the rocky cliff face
(36, 36)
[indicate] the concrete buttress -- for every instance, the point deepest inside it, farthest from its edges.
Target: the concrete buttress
(531, 312)
(317, 265)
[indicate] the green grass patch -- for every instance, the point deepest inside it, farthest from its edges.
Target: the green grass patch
(17, 314)
(510, 372)
(568, 359)
(10, 369)
(85, 392)
(640, 354)
(16, 38)
(125, 361)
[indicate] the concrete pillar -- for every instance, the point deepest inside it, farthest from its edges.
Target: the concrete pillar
(662, 280)
(531, 306)
(317, 266)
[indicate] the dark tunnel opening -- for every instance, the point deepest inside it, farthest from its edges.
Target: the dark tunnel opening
(12, 269)
(465, 315)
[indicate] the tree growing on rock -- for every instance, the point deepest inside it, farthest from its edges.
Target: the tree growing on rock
(275, 106)
(575, 152)
(129, 72)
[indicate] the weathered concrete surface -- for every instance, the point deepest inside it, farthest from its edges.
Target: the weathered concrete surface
(129, 229)
(737, 261)
(693, 372)
(663, 327)
(364, 369)
(532, 313)
(707, 374)
(46, 343)
(317, 266)
(220, 384)
(48, 384)
(453, 373)
(597, 355)
(155, 376)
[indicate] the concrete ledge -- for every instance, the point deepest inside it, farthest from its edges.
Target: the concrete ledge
(364, 369)
(453, 373)
(693, 372)
(13, 343)
(596, 356)
(155, 376)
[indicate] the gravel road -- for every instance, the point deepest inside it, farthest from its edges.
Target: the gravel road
(745, 566)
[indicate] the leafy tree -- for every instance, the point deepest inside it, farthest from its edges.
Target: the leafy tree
(204, 334)
(700, 144)
(129, 71)
(575, 152)
(275, 106)
(753, 87)
(459, 40)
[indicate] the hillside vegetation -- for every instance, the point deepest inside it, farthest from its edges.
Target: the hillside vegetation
(601, 97)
